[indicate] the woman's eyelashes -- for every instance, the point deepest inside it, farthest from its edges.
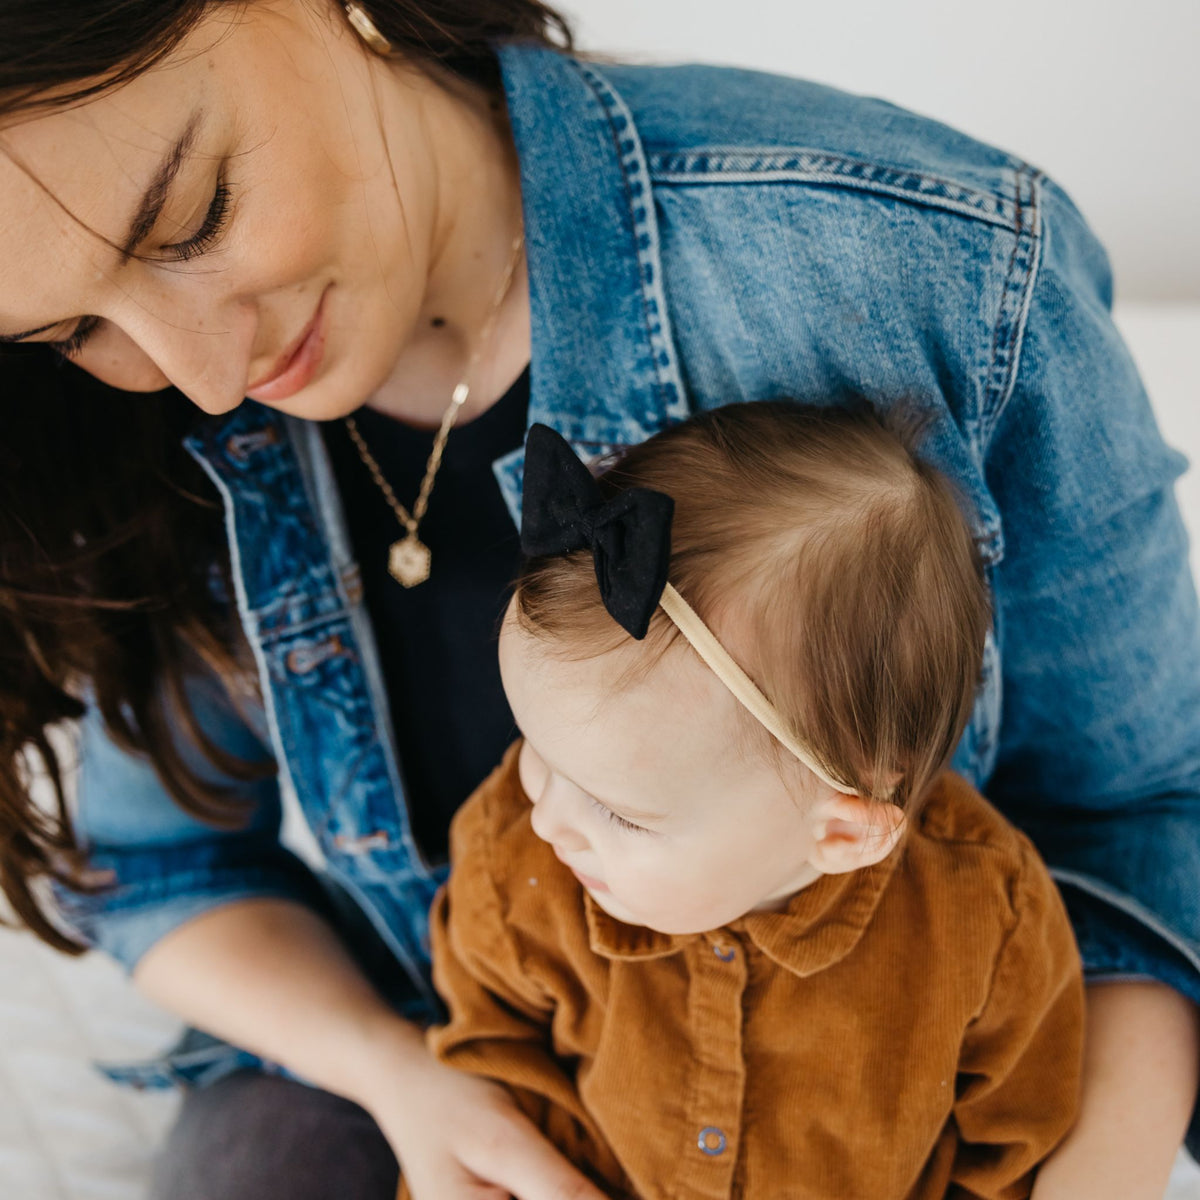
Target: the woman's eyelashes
(216, 218)
(76, 342)
(617, 820)
(209, 233)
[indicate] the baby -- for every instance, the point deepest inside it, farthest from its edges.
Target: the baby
(722, 921)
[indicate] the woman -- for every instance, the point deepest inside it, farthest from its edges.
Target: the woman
(364, 211)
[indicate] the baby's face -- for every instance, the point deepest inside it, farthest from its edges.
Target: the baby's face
(646, 791)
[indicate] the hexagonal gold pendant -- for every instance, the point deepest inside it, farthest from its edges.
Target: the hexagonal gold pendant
(408, 561)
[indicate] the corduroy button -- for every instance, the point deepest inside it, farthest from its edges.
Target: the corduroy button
(711, 1140)
(723, 952)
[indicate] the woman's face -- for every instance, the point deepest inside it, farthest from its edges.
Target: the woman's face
(230, 222)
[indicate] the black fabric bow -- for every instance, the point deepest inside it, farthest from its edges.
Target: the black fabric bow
(629, 535)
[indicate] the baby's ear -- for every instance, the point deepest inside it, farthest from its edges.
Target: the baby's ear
(850, 833)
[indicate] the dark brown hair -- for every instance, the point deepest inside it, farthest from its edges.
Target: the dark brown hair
(111, 542)
(834, 561)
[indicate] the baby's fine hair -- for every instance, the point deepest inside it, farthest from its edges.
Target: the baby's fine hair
(835, 564)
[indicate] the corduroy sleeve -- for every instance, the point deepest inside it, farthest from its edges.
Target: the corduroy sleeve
(1019, 1071)
(499, 1018)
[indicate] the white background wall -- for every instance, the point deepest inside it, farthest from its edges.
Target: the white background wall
(1102, 94)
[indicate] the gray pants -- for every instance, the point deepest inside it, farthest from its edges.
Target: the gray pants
(259, 1137)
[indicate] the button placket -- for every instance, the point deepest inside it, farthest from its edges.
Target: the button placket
(718, 1074)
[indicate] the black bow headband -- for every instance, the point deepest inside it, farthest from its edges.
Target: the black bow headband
(629, 535)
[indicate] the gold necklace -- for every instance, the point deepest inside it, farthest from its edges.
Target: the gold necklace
(409, 559)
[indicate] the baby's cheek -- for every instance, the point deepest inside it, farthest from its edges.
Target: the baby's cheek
(663, 896)
(689, 896)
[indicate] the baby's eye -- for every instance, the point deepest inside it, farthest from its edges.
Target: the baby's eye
(617, 820)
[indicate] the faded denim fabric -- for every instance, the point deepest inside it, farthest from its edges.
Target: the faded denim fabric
(699, 236)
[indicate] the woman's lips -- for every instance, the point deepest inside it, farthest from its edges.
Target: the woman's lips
(297, 366)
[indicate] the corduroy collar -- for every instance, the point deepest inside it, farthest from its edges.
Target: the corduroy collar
(819, 927)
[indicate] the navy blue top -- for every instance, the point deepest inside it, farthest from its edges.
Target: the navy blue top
(437, 641)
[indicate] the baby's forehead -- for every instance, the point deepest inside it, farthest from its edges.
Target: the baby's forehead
(624, 671)
(632, 688)
(642, 725)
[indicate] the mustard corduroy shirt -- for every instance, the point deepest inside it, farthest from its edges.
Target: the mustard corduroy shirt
(909, 1031)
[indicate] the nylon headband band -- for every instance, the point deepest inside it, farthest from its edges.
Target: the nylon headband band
(744, 689)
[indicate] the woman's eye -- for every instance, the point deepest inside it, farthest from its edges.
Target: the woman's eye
(216, 218)
(209, 233)
(617, 820)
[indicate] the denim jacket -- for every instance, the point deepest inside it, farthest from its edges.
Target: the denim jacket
(699, 236)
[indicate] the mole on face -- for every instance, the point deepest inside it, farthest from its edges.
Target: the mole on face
(438, 322)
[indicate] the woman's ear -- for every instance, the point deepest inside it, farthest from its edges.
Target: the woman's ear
(850, 833)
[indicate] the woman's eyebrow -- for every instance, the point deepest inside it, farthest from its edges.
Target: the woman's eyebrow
(159, 188)
(149, 208)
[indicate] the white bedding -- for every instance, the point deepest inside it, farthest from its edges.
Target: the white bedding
(66, 1134)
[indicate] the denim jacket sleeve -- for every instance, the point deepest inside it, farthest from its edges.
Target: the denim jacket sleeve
(1099, 752)
(159, 866)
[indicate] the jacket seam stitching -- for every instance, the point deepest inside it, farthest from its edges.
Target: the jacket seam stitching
(307, 446)
(246, 614)
(655, 317)
(130, 897)
(821, 168)
(1128, 906)
(1008, 333)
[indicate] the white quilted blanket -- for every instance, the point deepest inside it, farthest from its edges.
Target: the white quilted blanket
(66, 1134)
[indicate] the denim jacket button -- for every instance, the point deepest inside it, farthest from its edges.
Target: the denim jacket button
(307, 657)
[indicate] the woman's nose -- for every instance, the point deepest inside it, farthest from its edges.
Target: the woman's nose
(550, 817)
(114, 358)
(146, 353)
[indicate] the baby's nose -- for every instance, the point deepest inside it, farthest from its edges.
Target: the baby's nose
(548, 823)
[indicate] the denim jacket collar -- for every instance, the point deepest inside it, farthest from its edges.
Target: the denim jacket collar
(607, 344)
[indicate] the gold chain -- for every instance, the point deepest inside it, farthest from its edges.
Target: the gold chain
(409, 558)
